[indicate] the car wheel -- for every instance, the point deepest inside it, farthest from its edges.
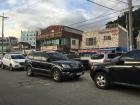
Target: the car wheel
(11, 68)
(29, 71)
(102, 80)
(56, 75)
(2, 66)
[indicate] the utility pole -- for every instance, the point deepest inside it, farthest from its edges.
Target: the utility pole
(131, 47)
(3, 17)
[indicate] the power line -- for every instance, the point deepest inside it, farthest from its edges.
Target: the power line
(122, 1)
(102, 15)
(118, 1)
(102, 5)
(101, 20)
(92, 19)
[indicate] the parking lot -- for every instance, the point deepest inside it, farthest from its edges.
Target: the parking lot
(18, 89)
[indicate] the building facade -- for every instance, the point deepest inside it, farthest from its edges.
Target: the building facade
(29, 37)
(138, 41)
(108, 38)
(59, 37)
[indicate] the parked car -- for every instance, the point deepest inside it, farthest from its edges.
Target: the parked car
(1, 55)
(85, 62)
(55, 64)
(13, 61)
(125, 69)
(102, 58)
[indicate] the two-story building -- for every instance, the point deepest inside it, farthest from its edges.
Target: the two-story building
(107, 38)
(59, 37)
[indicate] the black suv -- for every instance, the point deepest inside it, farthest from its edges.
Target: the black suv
(124, 69)
(54, 64)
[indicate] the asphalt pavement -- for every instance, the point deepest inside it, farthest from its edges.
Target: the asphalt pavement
(18, 89)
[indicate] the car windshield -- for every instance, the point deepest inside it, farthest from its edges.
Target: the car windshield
(17, 57)
(58, 56)
(97, 56)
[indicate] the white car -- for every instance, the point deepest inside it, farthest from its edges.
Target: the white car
(102, 58)
(13, 61)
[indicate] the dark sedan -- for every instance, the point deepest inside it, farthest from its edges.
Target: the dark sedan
(124, 69)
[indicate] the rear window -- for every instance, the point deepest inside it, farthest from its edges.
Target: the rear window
(111, 56)
(98, 56)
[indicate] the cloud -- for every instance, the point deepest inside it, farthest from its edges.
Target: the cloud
(34, 14)
(12, 2)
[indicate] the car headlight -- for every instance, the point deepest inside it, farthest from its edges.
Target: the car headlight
(66, 66)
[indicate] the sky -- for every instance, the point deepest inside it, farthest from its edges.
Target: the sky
(36, 14)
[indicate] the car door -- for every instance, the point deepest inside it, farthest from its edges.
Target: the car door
(36, 62)
(9, 59)
(122, 70)
(135, 72)
(46, 65)
(6, 60)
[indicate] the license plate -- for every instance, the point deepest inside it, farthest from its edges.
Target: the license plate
(79, 73)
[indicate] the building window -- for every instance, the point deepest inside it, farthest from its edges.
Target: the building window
(107, 37)
(91, 41)
(73, 42)
(64, 41)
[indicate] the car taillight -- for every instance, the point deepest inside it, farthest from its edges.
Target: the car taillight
(106, 60)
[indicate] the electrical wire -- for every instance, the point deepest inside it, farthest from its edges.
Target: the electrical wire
(101, 20)
(102, 5)
(122, 1)
(101, 15)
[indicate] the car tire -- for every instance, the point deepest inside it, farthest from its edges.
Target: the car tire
(11, 67)
(29, 71)
(102, 80)
(56, 75)
(2, 66)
